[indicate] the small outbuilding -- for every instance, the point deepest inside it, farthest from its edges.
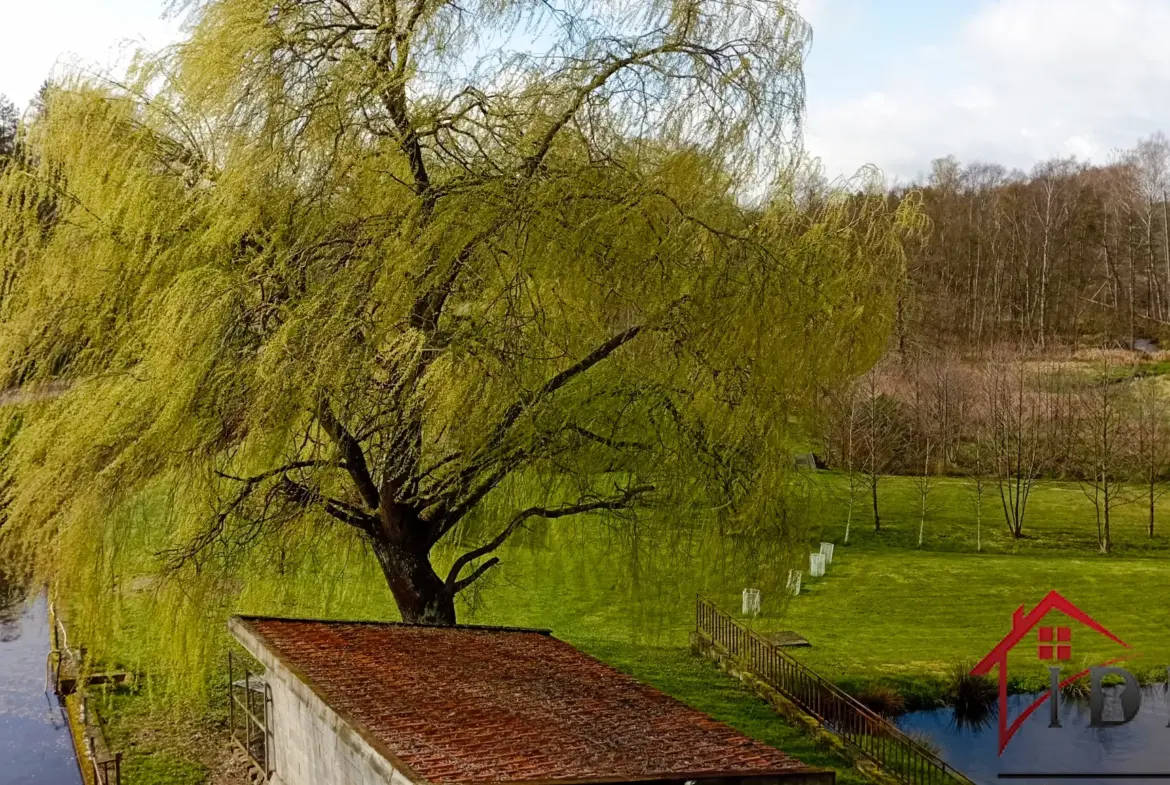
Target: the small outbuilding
(353, 703)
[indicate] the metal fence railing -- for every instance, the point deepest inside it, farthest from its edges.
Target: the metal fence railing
(249, 718)
(107, 765)
(859, 727)
(69, 677)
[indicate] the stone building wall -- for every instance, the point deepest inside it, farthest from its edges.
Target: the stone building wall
(311, 743)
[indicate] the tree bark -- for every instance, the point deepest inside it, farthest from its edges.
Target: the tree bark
(421, 595)
(877, 520)
(1166, 246)
(1152, 500)
(1107, 540)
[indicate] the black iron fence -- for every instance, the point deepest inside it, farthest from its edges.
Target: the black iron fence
(858, 726)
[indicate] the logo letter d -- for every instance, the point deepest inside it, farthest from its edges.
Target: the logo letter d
(1131, 697)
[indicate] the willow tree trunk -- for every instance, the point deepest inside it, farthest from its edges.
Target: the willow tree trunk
(421, 595)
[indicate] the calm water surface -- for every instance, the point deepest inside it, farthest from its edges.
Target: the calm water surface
(1139, 747)
(35, 748)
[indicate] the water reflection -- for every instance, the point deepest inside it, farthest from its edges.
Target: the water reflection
(12, 606)
(1139, 747)
(35, 748)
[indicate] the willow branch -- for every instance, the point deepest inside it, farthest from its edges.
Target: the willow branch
(355, 459)
(615, 503)
(513, 412)
(335, 508)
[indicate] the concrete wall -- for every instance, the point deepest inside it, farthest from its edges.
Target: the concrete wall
(312, 744)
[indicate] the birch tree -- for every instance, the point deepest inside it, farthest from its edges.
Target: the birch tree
(922, 439)
(9, 122)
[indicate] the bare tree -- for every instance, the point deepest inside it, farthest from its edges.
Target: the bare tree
(844, 442)
(1016, 420)
(1148, 433)
(9, 123)
(1051, 210)
(1101, 453)
(922, 442)
(877, 435)
(977, 462)
(974, 449)
(1150, 161)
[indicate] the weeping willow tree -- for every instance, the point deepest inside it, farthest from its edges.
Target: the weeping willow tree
(392, 266)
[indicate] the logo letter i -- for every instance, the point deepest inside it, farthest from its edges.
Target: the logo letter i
(1054, 696)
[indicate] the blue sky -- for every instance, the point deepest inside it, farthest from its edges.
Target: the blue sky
(894, 83)
(858, 42)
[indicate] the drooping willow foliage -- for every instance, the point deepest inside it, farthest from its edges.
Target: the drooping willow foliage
(413, 276)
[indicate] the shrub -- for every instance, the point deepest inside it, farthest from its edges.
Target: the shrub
(973, 697)
(883, 699)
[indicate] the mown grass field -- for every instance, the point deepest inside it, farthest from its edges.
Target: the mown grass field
(891, 610)
(887, 611)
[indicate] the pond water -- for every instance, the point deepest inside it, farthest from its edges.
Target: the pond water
(1125, 752)
(35, 748)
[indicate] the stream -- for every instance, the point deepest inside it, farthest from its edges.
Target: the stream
(35, 748)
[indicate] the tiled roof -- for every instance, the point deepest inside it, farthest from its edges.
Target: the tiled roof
(478, 705)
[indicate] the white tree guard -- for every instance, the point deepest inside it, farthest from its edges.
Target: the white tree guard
(827, 551)
(794, 582)
(751, 602)
(816, 565)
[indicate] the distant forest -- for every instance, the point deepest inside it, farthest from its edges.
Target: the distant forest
(1070, 252)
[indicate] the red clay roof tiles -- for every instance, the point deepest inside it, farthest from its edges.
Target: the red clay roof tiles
(478, 705)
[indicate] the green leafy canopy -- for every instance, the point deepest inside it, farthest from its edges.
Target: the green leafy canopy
(395, 265)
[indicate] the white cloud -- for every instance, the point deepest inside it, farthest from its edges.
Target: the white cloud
(1015, 82)
(1019, 81)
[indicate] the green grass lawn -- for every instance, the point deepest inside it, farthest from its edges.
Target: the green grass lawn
(1059, 517)
(886, 612)
(903, 615)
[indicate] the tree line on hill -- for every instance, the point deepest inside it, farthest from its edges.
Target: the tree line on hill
(1068, 250)
(1003, 424)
